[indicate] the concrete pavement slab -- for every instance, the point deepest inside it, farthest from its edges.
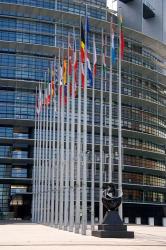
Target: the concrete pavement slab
(29, 236)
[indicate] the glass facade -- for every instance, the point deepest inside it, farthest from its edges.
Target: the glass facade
(27, 41)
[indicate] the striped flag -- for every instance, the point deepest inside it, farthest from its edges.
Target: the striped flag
(113, 45)
(65, 80)
(64, 72)
(82, 44)
(88, 61)
(60, 78)
(47, 98)
(82, 75)
(82, 50)
(122, 43)
(94, 56)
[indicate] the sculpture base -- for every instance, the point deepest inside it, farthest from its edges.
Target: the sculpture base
(112, 227)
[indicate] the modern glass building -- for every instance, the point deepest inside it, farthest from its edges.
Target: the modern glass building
(146, 16)
(31, 33)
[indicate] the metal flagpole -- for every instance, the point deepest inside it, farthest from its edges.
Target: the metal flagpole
(61, 214)
(93, 143)
(110, 111)
(101, 135)
(67, 165)
(34, 164)
(48, 147)
(41, 164)
(40, 155)
(49, 155)
(120, 126)
(58, 145)
(39, 159)
(61, 211)
(53, 150)
(84, 180)
(46, 163)
(79, 153)
(37, 166)
(45, 156)
(71, 215)
(43, 160)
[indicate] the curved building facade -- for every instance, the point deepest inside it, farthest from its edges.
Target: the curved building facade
(30, 34)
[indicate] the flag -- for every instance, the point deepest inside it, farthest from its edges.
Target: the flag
(82, 75)
(122, 43)
(70, 53)
(53, 80)
(89, 72)
(75, 60)
(39, 102)
(65, 80)
(60, 79)
(64, 72)
(103, 53)
(60, 75)
(113, 45)
(47, 98)
(49, 94)
(75, 66)
(82, 44)
(87, 56)
(82, 51)
(94, 56)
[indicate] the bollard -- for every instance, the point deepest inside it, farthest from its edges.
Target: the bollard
(96, 219)
(151, 221)
(164, 221)
(138, 220)
(126, 220)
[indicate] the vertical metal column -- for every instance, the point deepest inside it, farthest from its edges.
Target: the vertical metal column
(120, 126)
(71, 215)
(34, 164)
(46, 166)
(61, 207)
(93, 147)
(84, 180)
(79, 153)
(58, 147)
(101, 136)
(67, 164)
(49, 158)
(110, 169)
(53, 154)
(43, 161)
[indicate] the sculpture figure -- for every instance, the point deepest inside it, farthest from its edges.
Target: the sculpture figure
(112, 225)
(110, 201)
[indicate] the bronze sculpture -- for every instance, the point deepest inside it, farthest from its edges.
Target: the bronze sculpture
(110, 201)
(112, 225)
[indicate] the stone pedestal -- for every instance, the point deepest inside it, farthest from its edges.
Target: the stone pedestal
(112, 227)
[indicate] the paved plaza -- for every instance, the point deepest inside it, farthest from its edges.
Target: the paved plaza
(29, 236)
